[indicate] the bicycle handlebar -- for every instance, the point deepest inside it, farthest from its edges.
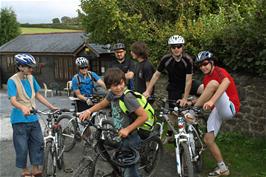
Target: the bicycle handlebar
(49, 112)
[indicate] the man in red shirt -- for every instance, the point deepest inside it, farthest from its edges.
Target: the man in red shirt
(221, 97)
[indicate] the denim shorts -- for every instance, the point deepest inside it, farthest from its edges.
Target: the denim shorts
(28, 139)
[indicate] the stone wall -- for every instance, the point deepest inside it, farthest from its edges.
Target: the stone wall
(252, 117)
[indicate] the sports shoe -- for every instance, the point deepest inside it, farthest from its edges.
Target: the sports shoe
(218, 172)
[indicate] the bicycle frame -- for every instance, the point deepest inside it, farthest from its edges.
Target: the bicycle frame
(184, 134)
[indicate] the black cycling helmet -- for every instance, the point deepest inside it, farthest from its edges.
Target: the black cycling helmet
(118, 46)
(125, 157)
(204, 55)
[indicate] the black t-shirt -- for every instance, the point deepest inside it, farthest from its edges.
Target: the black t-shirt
(125, 66)
(176, 71)
(143, 73)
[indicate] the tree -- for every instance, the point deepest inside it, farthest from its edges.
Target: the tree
(55, 20)
(9, 27)
(66, 20)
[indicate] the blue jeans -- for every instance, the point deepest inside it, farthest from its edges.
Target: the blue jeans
(132, 140)
(28, 138)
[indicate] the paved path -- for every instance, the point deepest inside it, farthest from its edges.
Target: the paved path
(7, 153)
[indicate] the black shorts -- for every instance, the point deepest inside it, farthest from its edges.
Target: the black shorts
(194, 88)
(82, 106)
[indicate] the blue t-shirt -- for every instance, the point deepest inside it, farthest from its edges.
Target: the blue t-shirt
(86, 84)
(16, 114)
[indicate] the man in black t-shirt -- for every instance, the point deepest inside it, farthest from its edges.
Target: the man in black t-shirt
(121, 62)
(144, 69)
(179, 68)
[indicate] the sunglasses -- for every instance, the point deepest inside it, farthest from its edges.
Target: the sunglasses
(176, 46)
(205, 63)
(86, 67)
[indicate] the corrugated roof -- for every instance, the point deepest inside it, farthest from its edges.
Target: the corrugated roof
(99, 48)
(45, 43)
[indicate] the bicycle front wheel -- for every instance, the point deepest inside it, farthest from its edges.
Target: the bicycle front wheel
(151, 154)
(69, 130)
(60, 150)
(85, 168)
(48, 166)
(186, 163)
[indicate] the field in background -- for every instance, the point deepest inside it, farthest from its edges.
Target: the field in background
(44, 30)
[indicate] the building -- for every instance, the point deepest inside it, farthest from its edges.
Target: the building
(55, 54)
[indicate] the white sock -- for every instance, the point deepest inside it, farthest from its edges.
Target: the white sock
(222, 165)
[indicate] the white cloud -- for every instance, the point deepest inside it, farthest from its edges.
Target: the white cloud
(41, 11)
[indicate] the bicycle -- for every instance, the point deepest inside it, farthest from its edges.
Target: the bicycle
(74, 129)
(103, 164)
(188, 139)
(53, 142)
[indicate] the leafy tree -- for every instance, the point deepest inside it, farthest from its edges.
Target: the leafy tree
(66, 19)
(9, 27)
(217, 25)
(55, 20)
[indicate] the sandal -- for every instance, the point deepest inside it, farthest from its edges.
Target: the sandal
(27, 174)
(39, 174)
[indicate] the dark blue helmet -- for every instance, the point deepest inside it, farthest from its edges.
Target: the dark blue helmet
(25, 59)
(204, 55)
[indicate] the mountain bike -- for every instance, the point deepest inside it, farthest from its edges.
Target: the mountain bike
(74, 129)
(188, 139)
(102, 163)
(53, 142)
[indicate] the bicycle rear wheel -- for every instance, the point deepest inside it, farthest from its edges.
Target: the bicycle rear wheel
(151, 154)
(48, 166)
(69, 130)
(187, 169)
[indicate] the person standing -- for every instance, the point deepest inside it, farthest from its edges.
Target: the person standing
(83, 84)
(143, 69)
(23, 89)
(179, 68)
(126, 65)
(221, 97)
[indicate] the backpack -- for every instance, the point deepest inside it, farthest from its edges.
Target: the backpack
(148, 125)
(93, 80)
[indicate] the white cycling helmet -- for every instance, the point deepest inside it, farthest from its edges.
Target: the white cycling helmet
(25, 59)
(204, 55)
(82, 62)
(176, 39)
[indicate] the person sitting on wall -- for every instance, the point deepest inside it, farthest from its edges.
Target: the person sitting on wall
(83, 84)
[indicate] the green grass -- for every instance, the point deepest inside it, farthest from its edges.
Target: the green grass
(245, 156)
(44, 30)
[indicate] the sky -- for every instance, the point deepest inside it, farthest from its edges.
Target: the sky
(41, 11)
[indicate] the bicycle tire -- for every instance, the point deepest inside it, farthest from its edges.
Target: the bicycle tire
(85, 168)
(69, 131)
(48, 167)
(187, 169)
(60, 154)
(152, 155)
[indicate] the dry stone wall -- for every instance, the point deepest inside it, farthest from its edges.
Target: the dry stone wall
(252, 117)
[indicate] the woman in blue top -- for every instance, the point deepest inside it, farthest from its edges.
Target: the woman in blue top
(83, 83)
(27, 133)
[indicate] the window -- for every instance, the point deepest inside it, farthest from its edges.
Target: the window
(10, 64)
(63, 68)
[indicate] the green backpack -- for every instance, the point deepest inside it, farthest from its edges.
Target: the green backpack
(148, 125)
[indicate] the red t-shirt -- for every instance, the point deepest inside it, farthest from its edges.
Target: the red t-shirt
(219, 74)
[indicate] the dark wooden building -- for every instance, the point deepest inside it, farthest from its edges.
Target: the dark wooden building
(55, 54)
